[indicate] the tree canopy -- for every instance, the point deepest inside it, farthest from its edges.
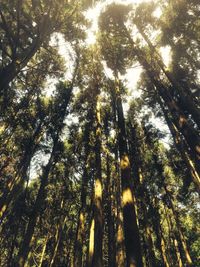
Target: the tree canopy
(100, 141)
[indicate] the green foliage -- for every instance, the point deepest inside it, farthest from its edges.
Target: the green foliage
(49, 141)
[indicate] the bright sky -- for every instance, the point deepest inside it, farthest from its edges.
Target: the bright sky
(133, 74)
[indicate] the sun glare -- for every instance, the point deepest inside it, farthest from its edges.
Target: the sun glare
(133, 74)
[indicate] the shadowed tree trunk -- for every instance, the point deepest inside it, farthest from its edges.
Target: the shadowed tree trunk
(136, 160)
(178, 225)
(173, 237)
(185, 98)
(182, 148)
(159, 236)
(26, 244)
(39, 202)
(109, 215)
(184, 127)
(120, 246)
(80, 234)
(43, 251)
(96, 230)
(131, 232)
(15, 185)
(58, 236)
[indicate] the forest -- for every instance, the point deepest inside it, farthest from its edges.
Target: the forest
(99, 133)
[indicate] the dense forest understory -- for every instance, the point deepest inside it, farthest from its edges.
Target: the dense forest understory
(99, 133)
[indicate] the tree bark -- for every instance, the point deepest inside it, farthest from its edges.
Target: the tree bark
(96, 231)
(58, 236)
(180, 232)
(43, 251)
(185, 98)
(182, 148)
(131, 232)
(26, 245)
(188, 131)
(109, 215)
(16, 184)
(80, 233)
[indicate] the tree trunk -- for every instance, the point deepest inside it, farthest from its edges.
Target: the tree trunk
(172, 235)
(132, 240)
(91, 244)
(178, 255)
(109, 215)
(96, 231)
(80, 233)
(58, 236)
(182, 148)
(185, 98)
(26, 245)
(158, 231)
(150, 246)
(188, 131)
(180, 232)
(43, 251)
(120, 246)
(16, 184)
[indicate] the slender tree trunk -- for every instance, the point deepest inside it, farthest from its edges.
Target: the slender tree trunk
(150, 247)
(163, 252)
(182, 148)
(96, 231)
(182, 124)
(158, 231)
(188, 131)
(120, 259)
(180, 232)
(120, 245)
(178, 255)
(10, 255)
(110, 221)
(185, 98)
(136, 159)
(16, 184)
(58, 236)
(173, 238)
(80, 233)
(26, 245)
(132, 240)
(91, 244)
(78, 249)
(43, 251)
